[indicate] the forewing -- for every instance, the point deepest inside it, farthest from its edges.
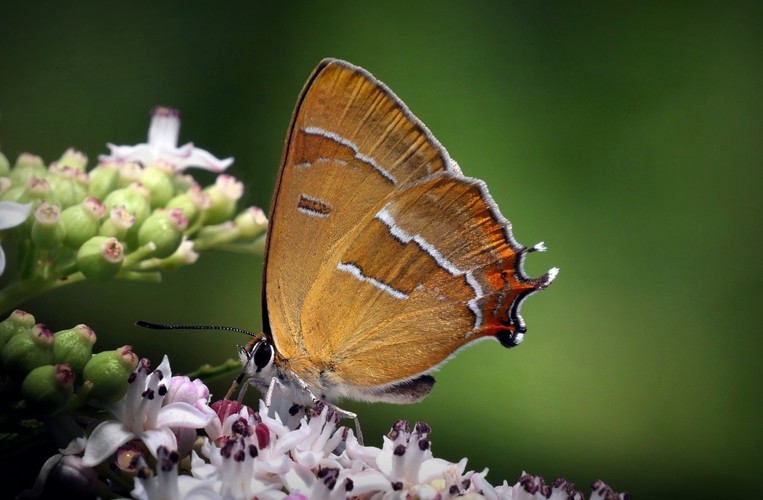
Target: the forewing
(351, 144)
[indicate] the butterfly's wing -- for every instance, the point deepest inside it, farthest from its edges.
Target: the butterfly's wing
(383, 259)
(349, 146)
(431, 270)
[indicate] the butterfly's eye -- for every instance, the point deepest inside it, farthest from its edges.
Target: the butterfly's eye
(263, 354)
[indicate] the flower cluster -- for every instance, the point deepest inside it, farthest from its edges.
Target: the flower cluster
(164, 440)
(135, 214)
(45, 373)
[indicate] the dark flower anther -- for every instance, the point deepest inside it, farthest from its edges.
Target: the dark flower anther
(423, 428)
(329, 476)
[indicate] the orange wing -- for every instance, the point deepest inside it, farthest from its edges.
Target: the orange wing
(351, 142)
(431, 270)
(382, 258)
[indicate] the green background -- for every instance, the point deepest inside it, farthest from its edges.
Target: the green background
(627, 136)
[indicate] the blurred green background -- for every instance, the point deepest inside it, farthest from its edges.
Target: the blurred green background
(625, 136)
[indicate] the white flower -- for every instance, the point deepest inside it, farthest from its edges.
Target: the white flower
(167, 484)
(11, 214)
(162, 146)
(407, 464)
(142, 414)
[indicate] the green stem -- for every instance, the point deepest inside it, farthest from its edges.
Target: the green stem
(208, 372)
(138, 255)
(214, 236)
(15, 294)
(146, 277)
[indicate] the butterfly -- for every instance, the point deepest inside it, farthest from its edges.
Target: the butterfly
(382, 258)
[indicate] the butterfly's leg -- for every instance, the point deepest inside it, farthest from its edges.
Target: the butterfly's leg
(271, 388)
(342, 413)
(243, 388)
(354, 416)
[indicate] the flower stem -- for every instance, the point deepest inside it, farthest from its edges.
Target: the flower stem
(139, 254)
(16, 293)
(208, 372)
(146, 277)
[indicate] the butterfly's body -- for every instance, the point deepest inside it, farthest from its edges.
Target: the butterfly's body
(382, 259)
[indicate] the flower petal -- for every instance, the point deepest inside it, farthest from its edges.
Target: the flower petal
(200, 469)
(370, 481)
(193, 488)
(182, 415)
(104, 440)
(214, 427)
(154, 438)
(142, 153)
(164, 369)
(164, 130)
(12, 213)
(75, 446)
(206, 160)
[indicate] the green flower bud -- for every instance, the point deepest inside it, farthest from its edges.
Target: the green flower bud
(184, 182)
(223, 196)
(104, 178)
(28, 350)
(251, 223)
(47, 231)
(14, 193)
(5, 166)
(48, 388)
(108, 372)
(5, 184)
(100, 258)
(27, 166)
(129, 173)
(37, 189)
(193, 203)
(74, 347)
(18, 322)
(119, 221)
(158, 180)
(74, 159)
(81, 222)
(164, 228)
(69, 184)
(135, 199)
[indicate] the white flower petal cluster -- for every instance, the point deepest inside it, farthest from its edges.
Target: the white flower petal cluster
(294, 454)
